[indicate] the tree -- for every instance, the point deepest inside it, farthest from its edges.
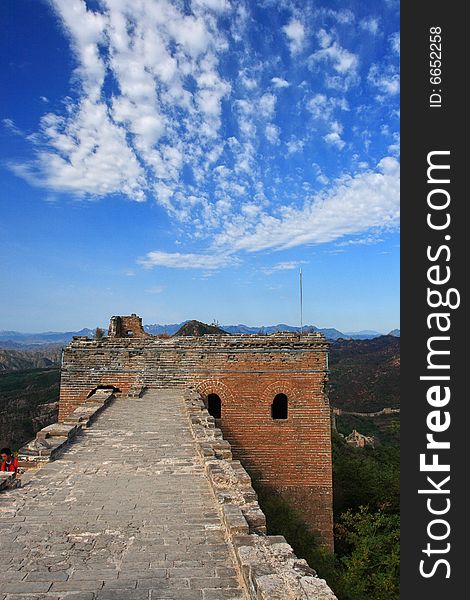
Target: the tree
(371, 569)
(99, 333)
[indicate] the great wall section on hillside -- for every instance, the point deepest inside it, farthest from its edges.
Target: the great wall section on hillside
(150, 498)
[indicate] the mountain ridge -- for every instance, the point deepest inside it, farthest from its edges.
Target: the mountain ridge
(23, 340)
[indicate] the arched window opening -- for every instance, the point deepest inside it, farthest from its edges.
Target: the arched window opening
(279, 407)
(214, 406)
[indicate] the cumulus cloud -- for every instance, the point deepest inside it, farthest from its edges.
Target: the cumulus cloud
(395, 42)
(343, 16)
(295, 145)
(86, 154)
(343, 63)
(267, 105)
(334, 137)
(322, 106)
(295, 32)
(386, 79)
(272, 133)
(371, 25)
(394, 147)
(279, 82)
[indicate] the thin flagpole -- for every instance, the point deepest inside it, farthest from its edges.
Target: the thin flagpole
(301, 305)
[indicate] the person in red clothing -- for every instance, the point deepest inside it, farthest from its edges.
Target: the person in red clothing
(9, 463)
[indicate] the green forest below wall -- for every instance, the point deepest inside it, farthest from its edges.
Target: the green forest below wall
(366, 481)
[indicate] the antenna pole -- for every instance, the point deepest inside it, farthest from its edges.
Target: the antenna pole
(301, 305)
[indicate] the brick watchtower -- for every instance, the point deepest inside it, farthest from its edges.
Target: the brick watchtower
(267, 393)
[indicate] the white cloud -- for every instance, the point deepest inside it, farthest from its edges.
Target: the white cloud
(395, 42)
(368, 240)
(334, 139)
(272, 133)
(371, 25)
(170, 103)
(216, 5)
(10, 125)
(248, 82)
(154, 123)
(319, 175)
(354, 204)
(385, 78)
(295, 33)
(267, 105)
(177, 260)
(295, 145)
(318, 106)
(341, 59)
(343, 62)
(88, 155)
(325, 39)
(322, 107)
(279, 82)
(283, 266)
(394, 148)
(86, 30)
(344, 16)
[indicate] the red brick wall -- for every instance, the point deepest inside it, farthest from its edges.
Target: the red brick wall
(294, 455)
(246, 372)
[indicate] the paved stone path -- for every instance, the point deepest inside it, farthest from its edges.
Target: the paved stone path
(125, 514)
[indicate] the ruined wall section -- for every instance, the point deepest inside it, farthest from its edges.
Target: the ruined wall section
(293, 456)
(127, 326)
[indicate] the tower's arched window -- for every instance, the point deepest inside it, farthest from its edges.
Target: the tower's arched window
(279, 407)
(214, 406)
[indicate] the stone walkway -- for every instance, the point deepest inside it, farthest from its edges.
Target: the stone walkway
(125, 514)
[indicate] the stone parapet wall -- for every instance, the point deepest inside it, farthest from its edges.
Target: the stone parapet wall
(52, 440)
(270, 569)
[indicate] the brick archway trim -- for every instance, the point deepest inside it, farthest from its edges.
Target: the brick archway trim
(214, 386)
(280, 387)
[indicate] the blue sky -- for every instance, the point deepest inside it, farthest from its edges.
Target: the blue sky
(184, 159)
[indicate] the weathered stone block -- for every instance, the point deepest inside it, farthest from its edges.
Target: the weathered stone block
(234, 519)
(56, 430)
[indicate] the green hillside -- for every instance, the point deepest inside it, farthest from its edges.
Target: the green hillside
(28, 402)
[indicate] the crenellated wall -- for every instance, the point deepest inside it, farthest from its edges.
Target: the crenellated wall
(291, 455)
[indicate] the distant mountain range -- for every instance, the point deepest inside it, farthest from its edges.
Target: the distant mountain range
(16, 339)
(23, 341)
(329, 332)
